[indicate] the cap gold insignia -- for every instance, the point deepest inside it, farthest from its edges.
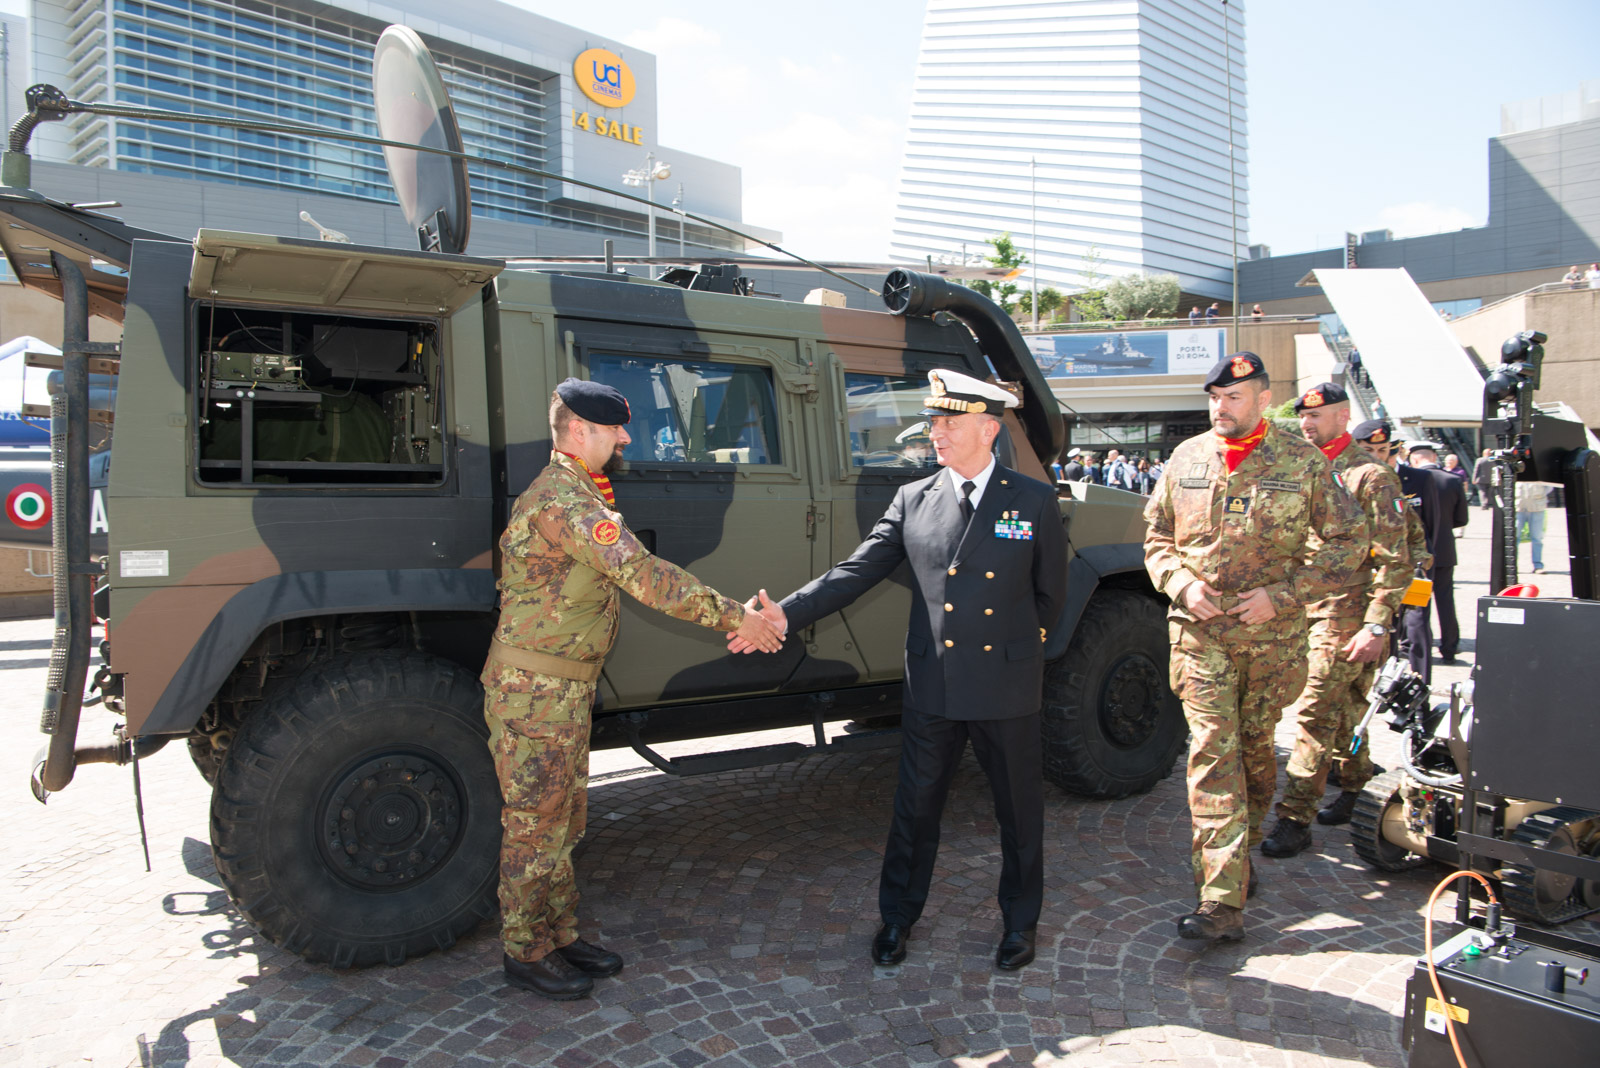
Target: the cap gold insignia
(1312, 399)
(1242, 367)
(938, 386)
(1379, 437)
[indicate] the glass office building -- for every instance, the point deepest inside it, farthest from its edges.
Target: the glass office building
(1108, 121)
(311, 63)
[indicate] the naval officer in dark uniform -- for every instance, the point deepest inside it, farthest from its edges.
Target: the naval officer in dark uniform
(988, 558)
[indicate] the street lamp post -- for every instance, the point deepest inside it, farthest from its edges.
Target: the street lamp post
(1033, 199)
(1233, 195)
(677, 204)
(647, 176)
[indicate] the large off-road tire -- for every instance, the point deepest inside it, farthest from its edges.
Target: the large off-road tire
(356, 816)
(1366, 826)
(1111, 724)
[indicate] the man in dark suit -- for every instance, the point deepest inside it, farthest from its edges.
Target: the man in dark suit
(988, 558)
(1073, 470)
(1450, 512)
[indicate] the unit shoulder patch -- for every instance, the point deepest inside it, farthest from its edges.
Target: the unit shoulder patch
(606, 532)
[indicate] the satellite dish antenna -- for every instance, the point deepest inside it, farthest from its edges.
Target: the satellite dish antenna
(413, 106)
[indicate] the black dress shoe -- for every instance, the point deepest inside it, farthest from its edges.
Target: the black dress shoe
(591, 960)
(1016, 950)
(889, 947)
(549, 977)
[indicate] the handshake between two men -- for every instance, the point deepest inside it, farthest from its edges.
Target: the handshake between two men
(764, 628)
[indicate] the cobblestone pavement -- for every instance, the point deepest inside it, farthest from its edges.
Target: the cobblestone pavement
(744, 903)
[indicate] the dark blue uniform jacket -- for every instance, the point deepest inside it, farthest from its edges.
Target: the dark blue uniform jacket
(981, 592)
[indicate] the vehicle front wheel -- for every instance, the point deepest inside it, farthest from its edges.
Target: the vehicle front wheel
(1111, 724)
(356, 815)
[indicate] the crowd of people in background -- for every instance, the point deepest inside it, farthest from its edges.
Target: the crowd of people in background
(1119, 470)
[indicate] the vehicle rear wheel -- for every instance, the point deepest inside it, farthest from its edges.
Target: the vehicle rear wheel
(1380, 798)
(1111, 724)
(1541, 894)
(356, 815)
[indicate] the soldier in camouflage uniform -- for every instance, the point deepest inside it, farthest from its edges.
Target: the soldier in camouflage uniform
(1353, 769)
(1231, 523)
(566, 554)
(1349, 630)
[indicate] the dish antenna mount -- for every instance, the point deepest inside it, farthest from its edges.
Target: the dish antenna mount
(413, 107)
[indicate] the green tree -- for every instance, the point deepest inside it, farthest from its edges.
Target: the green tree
(1091, 300)
(1049, 300)
(1007, 255)
(1134, 295)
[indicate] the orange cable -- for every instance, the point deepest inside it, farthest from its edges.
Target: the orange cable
(1433, 974)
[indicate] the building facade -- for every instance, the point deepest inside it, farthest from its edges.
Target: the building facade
(1109, 122)
(555, 104)
(1544, 216)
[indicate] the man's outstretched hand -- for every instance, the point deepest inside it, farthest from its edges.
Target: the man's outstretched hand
(767, 624)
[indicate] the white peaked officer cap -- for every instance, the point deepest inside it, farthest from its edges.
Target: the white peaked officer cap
(952, 391)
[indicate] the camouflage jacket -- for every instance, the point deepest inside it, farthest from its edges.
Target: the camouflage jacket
(564, 557)
(1252, 528)
(1381, 580)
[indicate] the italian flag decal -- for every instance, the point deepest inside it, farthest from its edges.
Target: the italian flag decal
(28, 506)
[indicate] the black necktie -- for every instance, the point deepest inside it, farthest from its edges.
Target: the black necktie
(966, 499)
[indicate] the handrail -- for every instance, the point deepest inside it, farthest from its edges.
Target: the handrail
(1542, 287)
(1113, 326)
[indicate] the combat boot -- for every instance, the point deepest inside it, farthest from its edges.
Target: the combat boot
(1338, 812)
(550, 976)
(1287, 839)
(1213, 922)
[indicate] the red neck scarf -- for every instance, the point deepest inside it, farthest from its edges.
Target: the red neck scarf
(601, 481)
(1333, 448)
(1236, 449)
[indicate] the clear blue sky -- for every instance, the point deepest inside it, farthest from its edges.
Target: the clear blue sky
(1363, 113)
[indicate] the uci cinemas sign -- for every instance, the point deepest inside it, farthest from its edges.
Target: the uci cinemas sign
(604, 78)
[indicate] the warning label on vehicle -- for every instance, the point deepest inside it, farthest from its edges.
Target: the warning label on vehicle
(143, 563)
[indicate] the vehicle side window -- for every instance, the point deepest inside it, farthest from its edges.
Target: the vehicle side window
(888, 431)
(694, 411)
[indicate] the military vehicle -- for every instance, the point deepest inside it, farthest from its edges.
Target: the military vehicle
(316, 445)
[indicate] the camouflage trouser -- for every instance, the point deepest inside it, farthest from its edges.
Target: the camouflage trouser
(1233, 691)
(1333, 702)
(540, 742)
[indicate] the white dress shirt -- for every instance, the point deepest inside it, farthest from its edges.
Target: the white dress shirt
(979, 481)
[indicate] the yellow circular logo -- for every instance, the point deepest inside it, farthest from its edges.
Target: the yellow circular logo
(604, 78)
(607, 532)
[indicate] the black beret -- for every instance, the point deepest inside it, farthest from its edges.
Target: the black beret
(1238, 367)
(1375, 431)
(595, 401)
(1320, 397)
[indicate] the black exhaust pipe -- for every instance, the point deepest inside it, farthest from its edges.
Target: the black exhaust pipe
(74, 572)
(911, 293)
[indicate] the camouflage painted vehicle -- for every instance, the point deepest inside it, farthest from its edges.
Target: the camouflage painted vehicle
(315, 449)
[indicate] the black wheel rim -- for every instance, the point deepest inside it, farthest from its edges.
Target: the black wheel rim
(1130, 701)
(389, 821)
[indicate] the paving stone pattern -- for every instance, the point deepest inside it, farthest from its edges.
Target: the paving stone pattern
(744, 903)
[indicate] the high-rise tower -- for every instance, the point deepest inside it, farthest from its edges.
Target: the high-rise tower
(1124, 105)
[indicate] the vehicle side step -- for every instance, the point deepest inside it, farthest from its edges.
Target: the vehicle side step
(761, 755)
(730, 760)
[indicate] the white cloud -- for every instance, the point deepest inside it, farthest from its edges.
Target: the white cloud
(1419, 218)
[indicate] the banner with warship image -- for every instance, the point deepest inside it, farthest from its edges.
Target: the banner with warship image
(1147, 352)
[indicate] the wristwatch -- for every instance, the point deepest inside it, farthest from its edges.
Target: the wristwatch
(1377, 630)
